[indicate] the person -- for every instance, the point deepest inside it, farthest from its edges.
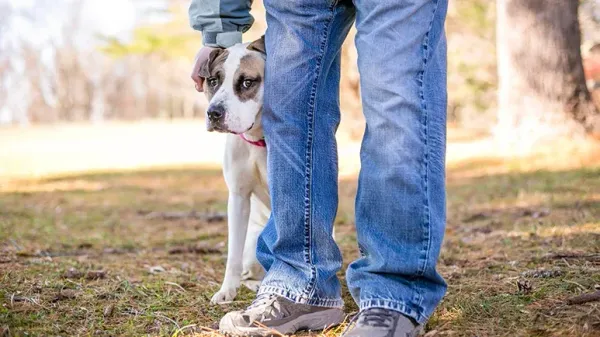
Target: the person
(400, 201)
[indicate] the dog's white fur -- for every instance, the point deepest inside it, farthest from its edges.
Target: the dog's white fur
(240, 116)
(245, 172)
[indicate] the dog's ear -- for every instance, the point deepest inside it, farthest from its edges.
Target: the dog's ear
(258, 45)
(205, 67)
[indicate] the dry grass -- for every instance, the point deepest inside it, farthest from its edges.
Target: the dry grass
(508, 221)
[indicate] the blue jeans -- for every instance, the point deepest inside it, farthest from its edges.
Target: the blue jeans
(400, 203)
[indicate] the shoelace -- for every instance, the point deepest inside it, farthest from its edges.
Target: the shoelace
(261, 300)
(375, 317)
(266, 302)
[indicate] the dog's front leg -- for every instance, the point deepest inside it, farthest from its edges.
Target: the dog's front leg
(238, 212)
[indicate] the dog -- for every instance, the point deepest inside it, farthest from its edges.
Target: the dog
(234, 88)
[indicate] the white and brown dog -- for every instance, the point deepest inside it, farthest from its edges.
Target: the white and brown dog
(234, 87)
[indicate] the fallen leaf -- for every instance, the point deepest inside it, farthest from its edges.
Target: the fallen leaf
(72, 273)
(15, 298)
(65, 294)
(524, 286)
(95, 274)
(26, 254)
(108, 310)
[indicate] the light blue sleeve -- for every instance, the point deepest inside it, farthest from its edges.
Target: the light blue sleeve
(221, 22)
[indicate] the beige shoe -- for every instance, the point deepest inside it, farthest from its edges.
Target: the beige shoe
(272, 315)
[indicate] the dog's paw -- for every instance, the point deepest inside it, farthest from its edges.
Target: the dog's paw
(224, 296)
(251, 284)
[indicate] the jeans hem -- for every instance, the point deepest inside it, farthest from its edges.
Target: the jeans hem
(301, 298)
(400, 307)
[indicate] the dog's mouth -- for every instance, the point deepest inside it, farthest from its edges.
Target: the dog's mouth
(224, 129)
(239, 133)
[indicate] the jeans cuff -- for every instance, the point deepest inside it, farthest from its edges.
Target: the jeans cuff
(300, 298)
(400, 307)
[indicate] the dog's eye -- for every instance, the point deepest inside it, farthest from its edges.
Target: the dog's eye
(247, 84)
(213, 82)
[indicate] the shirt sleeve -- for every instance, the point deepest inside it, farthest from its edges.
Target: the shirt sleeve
(221, 22)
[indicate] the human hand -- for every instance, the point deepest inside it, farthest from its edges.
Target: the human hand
(201, 57)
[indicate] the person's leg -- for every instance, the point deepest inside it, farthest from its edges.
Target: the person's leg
(400, 203)
(300, 117)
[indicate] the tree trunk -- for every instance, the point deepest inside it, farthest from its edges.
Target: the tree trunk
(542, 88)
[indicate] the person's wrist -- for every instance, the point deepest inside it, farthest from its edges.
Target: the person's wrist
(221, 39)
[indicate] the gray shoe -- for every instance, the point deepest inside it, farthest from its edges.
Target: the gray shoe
(379, 322)
(272, 315)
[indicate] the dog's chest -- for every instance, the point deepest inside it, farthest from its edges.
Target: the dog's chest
(245, 165)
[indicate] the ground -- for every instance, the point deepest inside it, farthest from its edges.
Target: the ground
(140, 252)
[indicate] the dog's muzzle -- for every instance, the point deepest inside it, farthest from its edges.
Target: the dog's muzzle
(216, 117)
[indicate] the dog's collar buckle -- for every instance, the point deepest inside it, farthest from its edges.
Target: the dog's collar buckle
(259, 143)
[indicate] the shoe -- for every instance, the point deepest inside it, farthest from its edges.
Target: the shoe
(274, 315)
(380, 322)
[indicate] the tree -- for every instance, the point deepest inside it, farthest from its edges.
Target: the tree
(542, 88)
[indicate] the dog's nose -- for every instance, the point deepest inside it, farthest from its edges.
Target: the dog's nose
(215, 112)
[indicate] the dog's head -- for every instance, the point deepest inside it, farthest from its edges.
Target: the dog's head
(234, 87)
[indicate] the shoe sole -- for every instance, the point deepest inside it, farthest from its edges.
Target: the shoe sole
(314, 321)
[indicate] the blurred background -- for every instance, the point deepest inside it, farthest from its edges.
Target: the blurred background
(104, 76)
(113, 205)
(100, 60)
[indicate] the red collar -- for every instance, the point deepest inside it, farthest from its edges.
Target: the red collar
(259, 143)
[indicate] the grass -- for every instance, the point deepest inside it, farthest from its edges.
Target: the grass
(504, 227)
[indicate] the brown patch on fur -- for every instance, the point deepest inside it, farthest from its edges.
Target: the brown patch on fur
(258, 45)
(205, 68)
(213, 67)
(251, 68)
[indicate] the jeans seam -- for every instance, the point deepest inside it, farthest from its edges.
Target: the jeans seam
(425, 166)
(309, 157)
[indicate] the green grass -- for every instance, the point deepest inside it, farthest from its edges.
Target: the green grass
(499, 226)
